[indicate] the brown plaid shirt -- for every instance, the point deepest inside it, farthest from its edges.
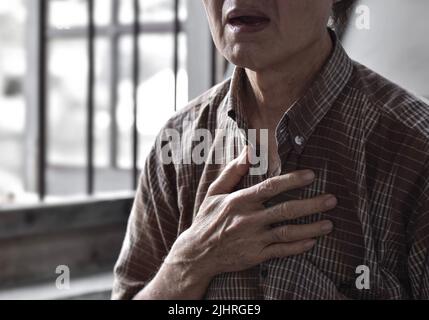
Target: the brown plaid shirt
(367, 141)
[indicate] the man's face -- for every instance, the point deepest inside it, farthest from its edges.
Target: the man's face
(258, 34)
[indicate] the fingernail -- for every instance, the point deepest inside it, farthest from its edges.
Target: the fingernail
(308, 175)
(309, 244)
(327, 227)
(331, 202)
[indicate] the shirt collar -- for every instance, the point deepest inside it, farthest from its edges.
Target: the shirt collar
(306, 113)
(234, 106)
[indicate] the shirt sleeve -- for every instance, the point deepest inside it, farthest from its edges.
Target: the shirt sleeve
(418, 258)
(151, 231)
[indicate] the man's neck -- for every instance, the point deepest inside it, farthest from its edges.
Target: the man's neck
(272, 91)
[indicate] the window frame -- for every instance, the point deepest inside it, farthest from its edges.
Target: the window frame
(200, 78)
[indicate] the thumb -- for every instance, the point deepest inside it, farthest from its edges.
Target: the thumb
(231, 175)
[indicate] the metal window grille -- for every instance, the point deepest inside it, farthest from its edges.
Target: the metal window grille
(91, 31)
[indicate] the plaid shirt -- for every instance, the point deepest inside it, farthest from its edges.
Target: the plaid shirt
(367, 141)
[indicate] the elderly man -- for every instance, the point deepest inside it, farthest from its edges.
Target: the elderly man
(342, 211)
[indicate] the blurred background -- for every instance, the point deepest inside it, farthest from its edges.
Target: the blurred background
(163, 67)
(85, 85)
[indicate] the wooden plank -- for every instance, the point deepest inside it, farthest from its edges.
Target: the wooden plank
(47, 219)
(30, 259)
(92, 287)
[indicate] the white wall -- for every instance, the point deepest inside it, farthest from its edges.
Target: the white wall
(397, 43)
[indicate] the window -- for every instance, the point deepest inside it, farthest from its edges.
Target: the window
(12, 105)
(90, 142)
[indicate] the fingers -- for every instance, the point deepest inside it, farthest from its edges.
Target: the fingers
(231, 175)
(276, 185)
(297, 208)
(292, 233)
(280, 250)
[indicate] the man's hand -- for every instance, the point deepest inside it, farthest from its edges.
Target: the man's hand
(233, 230)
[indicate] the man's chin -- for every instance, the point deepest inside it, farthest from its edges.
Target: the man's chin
(248, 57)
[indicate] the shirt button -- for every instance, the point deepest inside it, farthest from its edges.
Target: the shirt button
(299, 140)
(263, 272)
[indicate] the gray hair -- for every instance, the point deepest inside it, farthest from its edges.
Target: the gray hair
(340, 12)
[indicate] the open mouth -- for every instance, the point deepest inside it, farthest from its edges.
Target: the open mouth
(247, 20)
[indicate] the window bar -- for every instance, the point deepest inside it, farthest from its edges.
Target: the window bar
(90, 99)
(176, 49)
(213, 65)
(219, 66)
(113, 84)
(136, 77)
(42, 101)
